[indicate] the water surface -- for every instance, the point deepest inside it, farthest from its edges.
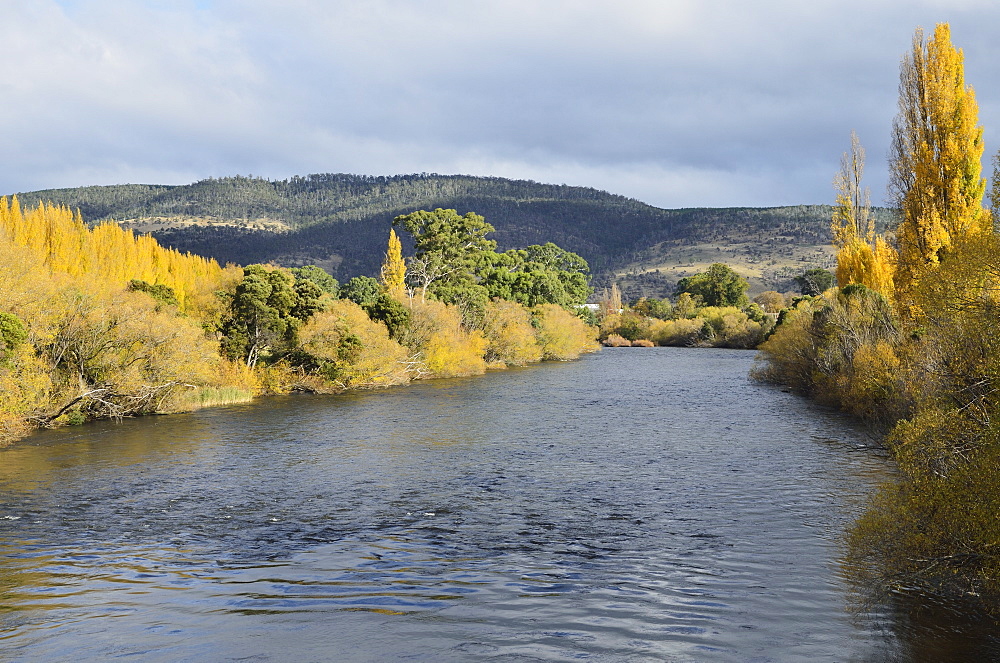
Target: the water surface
(638, 504)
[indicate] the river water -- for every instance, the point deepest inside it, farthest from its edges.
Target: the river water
(637, 504)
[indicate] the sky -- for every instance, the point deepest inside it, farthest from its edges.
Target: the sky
(677, 103)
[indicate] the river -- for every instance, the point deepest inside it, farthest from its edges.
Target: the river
(637, 504)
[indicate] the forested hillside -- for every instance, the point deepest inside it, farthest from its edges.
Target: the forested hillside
(340, 222)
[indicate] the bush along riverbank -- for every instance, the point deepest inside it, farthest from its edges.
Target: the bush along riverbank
(907, 341)
(101, 323)
(711, 309)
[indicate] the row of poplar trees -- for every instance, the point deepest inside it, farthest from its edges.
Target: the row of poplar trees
(908, 338)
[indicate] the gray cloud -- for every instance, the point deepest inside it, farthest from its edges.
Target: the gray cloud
(675, 102)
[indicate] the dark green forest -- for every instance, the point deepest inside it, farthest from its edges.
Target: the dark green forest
(341, 221)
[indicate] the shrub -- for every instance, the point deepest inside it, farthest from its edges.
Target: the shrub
(683, 332)
(616, 341)
(561, 334)
(348, 349)
(445, 348)
(510, 338)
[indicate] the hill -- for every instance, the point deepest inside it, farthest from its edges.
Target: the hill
(341, 222)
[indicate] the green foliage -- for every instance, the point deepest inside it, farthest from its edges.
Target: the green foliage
(265, 312)
(319, 276)
(719, 286)
(630, 326)
(686, 305)
(164, 294)
(537, 275)
(12, 333)
(449, 251)
(362, 290)
(754, 311)
(654, 308)
(390, 312)
(815, 281)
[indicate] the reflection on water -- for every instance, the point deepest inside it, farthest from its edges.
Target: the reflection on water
(634, 505)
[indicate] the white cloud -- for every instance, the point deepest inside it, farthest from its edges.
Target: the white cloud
(676, 102)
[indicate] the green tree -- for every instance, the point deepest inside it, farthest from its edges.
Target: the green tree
(653, 308)
(719, 286)
(449, 251)
(362, 290)
(163, 294)
(12, 332)
(319, 276)
(265, 312)
(815, 281)
(539, 274)
(389, 310)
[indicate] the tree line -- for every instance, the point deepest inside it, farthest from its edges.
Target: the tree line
(99, 322)
(347, 216)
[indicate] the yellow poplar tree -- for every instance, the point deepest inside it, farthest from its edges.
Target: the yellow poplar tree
(862, 257)
(394, 269)
(935, 159)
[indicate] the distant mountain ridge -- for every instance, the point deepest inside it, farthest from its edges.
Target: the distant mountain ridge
(341, 222)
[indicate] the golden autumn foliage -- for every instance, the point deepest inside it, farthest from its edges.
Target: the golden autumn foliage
(445, 348)
(683, 332)
(394, 269)
(510, 338)
(352, 351)
(932, 389)
(92, 347)
(561, 334)
(616, 341)
(59, 240)
(862, 256)
(936, 159)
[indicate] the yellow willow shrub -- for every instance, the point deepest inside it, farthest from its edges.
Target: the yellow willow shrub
(281, 378)
(875, 375)
(348, 350)
(788, 357)
(24, 390)
(445, 348)
(562, 335)
(630, 325)
(844, 321)
(732, 327)
(940, 531)
(934, 441)
(609, 323)
(509, 335)
(120, 355)
(682, 332)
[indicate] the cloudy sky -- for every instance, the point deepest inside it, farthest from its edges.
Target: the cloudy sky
(678, 103)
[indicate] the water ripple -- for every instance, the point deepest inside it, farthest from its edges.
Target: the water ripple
(631, 506)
